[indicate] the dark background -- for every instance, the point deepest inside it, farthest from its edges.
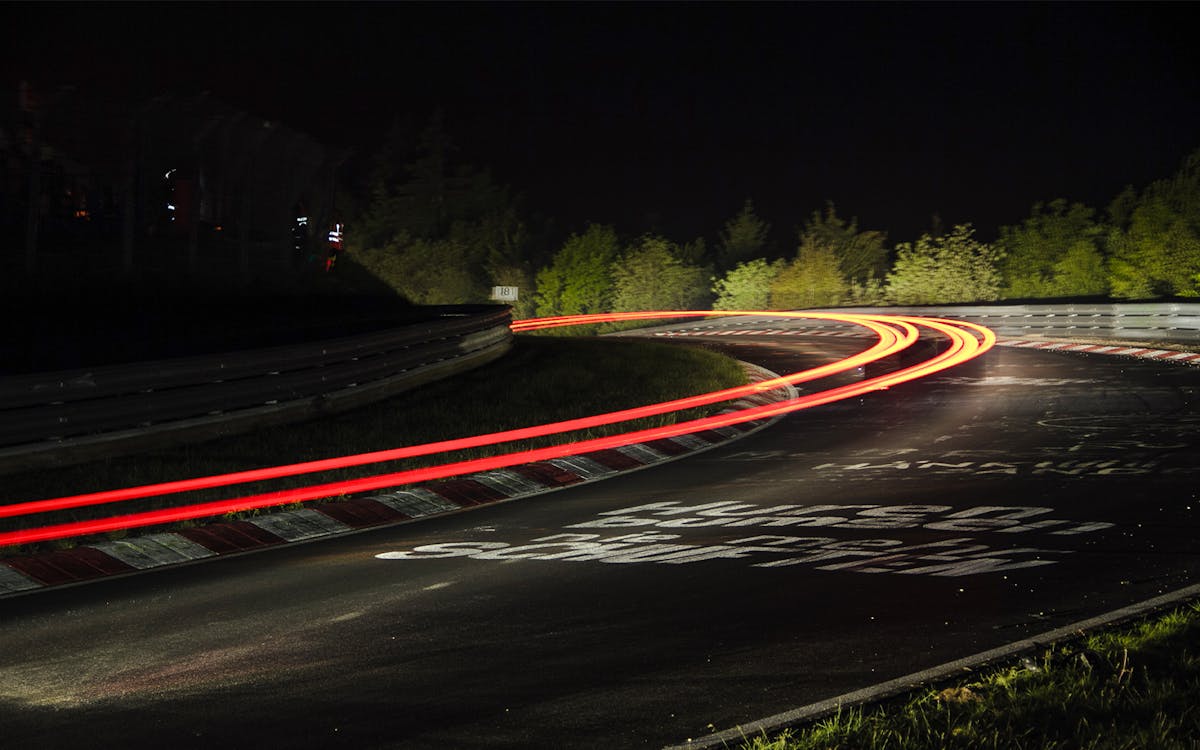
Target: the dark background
(667, 116)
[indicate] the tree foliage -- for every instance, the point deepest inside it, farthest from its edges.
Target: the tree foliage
(813, 279)
(654, 275)
(427, 209)
(1054, 253)
(579, 279)
(947, 269)
(1154, 245)
(1080, 272)
(743, 238)
(425, 272)
(747, 286)
(861, 255)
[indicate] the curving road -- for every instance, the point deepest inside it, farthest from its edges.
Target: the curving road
(846, 545)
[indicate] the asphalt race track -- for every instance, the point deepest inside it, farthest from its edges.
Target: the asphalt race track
(845, 545)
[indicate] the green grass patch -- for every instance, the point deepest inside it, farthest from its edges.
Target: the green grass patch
(1136, 686)
(542, 379)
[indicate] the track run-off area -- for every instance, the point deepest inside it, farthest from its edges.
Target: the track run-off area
(894, 334)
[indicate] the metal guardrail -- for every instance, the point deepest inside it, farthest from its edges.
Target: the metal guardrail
(1165, 322)
(67, 417)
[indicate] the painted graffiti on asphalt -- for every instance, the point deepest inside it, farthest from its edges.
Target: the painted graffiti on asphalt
(899, 466)
(655, 533)
(1072, 468)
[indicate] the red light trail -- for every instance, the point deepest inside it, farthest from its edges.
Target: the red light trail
(894, 334)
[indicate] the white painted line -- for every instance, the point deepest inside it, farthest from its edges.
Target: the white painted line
(416, 502)
(508, 483)
(691, 442)
(583, 466)
(153, 551)
(643, 453)
(297, 525)
(13, 580)
(182, 545)
(813, 711)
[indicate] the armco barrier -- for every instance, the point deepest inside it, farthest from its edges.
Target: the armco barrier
(1134, 322)
(1163, 323)
(67, 417)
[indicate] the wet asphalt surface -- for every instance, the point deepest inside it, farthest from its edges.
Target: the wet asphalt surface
(843, 546)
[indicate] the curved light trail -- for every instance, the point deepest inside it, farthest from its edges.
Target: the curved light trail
(894, 333)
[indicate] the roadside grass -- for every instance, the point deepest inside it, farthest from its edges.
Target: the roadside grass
(1136, 686)
(542, 379)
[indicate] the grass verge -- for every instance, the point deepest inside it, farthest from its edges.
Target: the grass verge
(1137, 686)
(542, 379)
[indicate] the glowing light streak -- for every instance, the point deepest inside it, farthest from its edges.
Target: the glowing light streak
(964, 345)
(889, 342)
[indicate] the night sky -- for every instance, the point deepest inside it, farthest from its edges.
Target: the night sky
(668, 116)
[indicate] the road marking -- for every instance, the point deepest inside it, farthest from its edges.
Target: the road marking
(1073, 468)
(1010, 380)
(651, 534)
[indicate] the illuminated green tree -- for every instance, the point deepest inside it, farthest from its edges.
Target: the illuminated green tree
(1081, 272)
(1054, 253)
(652, 275)
(743, 238)
(861, 255)
(747, 286)
(426, 209)
(813, 279)
(425, 272)
(871, 292)
(579, 278)
(947, 269)
(1154, 247)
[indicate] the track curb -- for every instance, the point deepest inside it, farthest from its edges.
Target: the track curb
(28, 574)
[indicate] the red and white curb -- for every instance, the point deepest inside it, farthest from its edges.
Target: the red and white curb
(28, 573)
(1165, 355)
(853, 333)
(1162, 355)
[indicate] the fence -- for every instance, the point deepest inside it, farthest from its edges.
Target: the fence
(50, 419)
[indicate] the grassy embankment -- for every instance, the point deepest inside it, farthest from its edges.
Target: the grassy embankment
(542, 379)
(1136, 686)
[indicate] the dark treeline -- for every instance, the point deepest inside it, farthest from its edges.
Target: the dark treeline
(439, 230)
(192, 191)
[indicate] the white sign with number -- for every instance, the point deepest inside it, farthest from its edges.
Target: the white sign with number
(504, 293)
